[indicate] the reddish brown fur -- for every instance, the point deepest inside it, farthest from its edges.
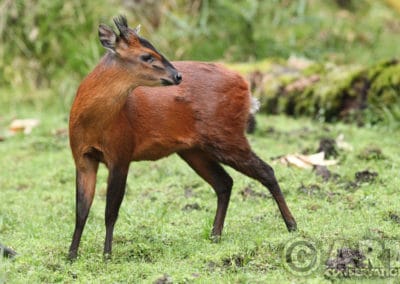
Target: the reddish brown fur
(189, 115)
(153, 122)
(115, 121)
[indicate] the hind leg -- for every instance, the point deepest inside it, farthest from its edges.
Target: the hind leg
(247, 162)
(217, 177)
(115, 194)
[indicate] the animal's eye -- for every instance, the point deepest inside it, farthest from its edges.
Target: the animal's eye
(148, 58)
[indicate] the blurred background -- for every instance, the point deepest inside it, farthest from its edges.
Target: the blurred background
(52, 45)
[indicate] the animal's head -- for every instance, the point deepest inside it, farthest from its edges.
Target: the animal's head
(137, 55)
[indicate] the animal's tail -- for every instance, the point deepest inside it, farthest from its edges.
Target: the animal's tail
(251, 120)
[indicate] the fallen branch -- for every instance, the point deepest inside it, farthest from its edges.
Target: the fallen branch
(7, 252)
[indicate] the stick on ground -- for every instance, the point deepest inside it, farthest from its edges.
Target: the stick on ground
(7, 252)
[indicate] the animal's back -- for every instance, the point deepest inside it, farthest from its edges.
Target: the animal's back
(216, 92)
(211, 104)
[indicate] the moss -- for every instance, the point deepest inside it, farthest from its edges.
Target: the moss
(385, 86)
(316, 68)
(350, 93)
(247, 68)
(384, 92)
(324, 99)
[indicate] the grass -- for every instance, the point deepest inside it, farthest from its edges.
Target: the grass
(159, 236)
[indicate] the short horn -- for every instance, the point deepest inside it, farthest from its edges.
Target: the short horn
(137, 29)
(122, 25)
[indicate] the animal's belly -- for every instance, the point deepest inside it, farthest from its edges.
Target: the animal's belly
(154, 150)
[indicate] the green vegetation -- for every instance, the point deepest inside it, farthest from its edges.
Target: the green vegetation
(327, 92)
(54, 43)
(166, 217)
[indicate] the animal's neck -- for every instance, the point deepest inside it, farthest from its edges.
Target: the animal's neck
(103, 94)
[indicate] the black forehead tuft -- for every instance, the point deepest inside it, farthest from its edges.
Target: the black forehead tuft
(121, 21)
(148, 45)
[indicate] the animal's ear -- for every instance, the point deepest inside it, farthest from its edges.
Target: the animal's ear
(108, 37)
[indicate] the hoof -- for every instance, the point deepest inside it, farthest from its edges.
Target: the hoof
(107, 256)
(291, 226)
(72, 255)
(215, 239)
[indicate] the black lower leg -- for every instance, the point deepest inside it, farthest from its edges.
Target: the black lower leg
(85, 186)
(81, 216)
(212, 172)
(223, 188)
(115, 194)
(267, 177)
(256, 168)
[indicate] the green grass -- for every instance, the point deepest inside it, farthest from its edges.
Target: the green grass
(155, 236)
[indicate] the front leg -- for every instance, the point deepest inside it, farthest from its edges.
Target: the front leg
(86, 172)
(115, 194)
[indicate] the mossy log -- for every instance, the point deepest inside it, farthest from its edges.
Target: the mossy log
(328, 92)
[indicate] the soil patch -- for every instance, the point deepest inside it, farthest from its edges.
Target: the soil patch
(248, 192)
(191, 207)
(329, 147)
(371, 153)
(365, 176)
(311, 189)
(165, 279)
(346, 258)
(394, 217)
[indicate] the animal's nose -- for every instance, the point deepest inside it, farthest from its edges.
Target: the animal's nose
(177, 78)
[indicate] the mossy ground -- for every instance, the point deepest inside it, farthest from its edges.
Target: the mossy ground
(165, 219)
